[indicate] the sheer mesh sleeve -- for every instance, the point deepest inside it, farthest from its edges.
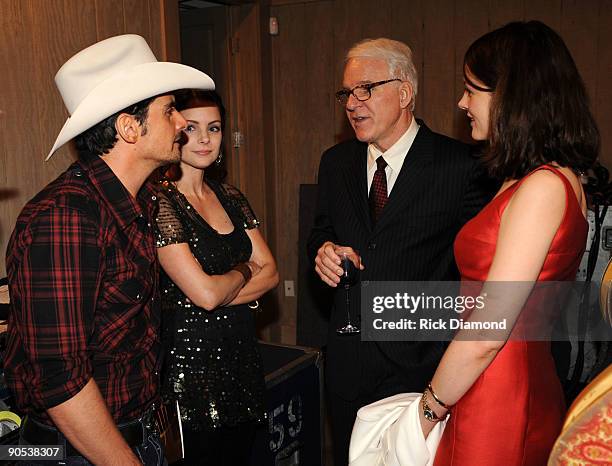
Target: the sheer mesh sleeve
(168, 226)
(250, 221)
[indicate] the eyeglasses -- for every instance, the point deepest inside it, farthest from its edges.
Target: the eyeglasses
(362, 92)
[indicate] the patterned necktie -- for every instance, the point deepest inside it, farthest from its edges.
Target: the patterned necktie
(378, 190)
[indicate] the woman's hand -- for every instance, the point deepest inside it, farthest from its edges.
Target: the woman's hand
(263, 266)
(426, 426)
(441, 412)
(254, 266)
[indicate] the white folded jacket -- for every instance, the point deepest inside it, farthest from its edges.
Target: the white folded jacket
(388, 433)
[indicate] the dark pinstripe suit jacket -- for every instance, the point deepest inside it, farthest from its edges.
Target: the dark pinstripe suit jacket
(439, 188)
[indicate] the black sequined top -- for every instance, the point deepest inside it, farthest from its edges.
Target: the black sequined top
(212, 365)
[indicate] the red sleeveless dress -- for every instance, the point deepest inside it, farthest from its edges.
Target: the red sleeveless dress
(514, 411)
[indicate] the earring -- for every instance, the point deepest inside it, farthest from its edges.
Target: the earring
(219, 158)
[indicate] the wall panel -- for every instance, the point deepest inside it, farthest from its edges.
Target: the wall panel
(77, 22)
(579, 23)
(547, 11)
(136, 17)
(36, 38)
(471, 20)
(19, 141)
(347, 29)
(249, 158)
(304, 116)
(108, 22)
(504, 11)
(437, 81)
(407, 24)
(601, 97)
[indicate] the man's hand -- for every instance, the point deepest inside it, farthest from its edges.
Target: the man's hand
(327, 262)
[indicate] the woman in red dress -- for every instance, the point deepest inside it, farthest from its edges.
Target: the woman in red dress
(525, 98)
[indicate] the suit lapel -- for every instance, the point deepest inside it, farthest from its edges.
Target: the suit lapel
(357, 183)
(412, 177)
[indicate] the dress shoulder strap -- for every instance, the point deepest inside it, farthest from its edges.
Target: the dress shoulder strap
(569, 189)
(570, 195)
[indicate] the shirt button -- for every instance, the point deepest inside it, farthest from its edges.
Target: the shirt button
(371, 246)
(138, 296)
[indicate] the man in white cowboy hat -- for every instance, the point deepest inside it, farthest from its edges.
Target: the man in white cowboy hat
(83, 351)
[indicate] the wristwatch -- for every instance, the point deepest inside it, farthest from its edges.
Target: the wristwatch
(429, 413)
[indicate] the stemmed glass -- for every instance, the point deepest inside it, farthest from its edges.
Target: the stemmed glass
(349, 277)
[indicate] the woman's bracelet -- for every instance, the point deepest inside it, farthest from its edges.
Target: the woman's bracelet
(244, 270)
(435, 397)
(429, 413)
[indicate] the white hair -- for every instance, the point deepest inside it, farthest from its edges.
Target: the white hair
(397, 55)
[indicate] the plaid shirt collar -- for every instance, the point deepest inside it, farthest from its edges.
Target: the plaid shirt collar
(120, 202)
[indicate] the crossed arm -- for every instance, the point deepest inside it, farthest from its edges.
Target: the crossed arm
(212, 291)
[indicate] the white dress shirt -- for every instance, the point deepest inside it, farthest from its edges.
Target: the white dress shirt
(394, 156)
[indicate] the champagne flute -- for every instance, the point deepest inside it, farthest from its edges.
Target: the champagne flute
(349, 277)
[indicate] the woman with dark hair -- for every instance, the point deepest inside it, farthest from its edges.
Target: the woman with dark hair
(525, 98)
(215, 265)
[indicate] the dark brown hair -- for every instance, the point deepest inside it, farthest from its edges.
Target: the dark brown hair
(193, 98)
(539, 108)
(101, 138)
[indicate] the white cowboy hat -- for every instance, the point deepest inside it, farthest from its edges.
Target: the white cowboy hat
(112, 75)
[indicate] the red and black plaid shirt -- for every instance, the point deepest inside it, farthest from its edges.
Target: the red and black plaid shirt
(83, 274)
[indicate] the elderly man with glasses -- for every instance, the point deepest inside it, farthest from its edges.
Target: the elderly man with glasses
(392, 199)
